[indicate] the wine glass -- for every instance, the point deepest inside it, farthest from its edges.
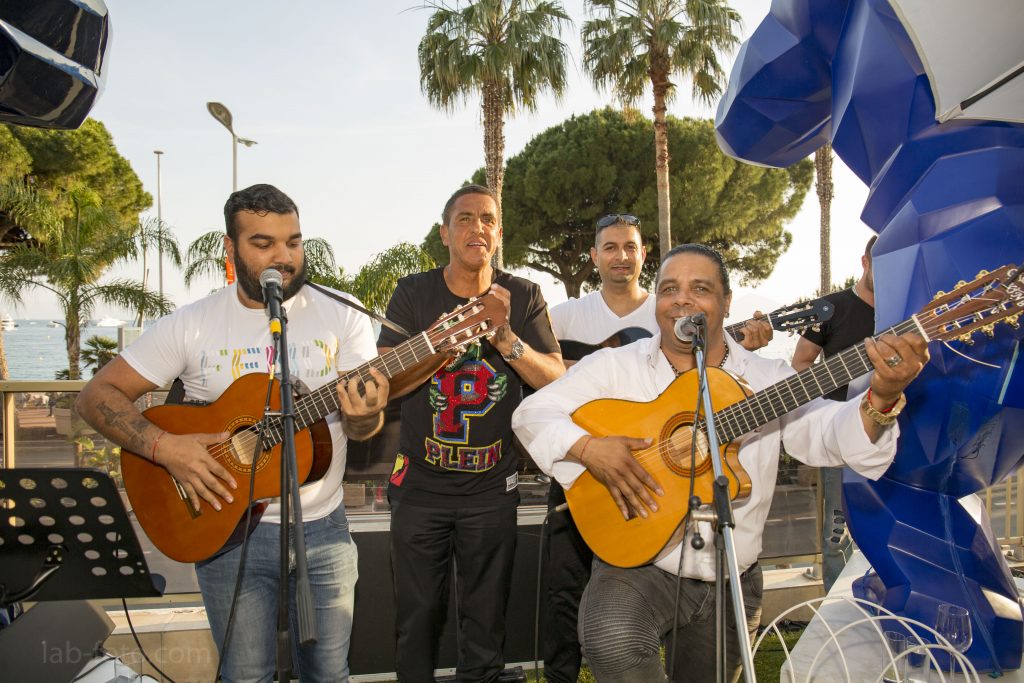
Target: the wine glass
(954, 624)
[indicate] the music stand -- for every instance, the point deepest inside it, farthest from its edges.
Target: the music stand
(69, 523)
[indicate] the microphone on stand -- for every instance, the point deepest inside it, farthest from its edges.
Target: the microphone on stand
(273, 285)
(690, 327)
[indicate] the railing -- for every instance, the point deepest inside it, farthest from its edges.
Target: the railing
(41, 429)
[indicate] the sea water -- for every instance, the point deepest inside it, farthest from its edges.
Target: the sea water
(37, 351)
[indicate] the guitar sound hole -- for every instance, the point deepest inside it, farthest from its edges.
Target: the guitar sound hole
(678, 449)
(242, 444)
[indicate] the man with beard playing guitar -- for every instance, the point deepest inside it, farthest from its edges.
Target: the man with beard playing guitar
(209, 344)
(627, 613)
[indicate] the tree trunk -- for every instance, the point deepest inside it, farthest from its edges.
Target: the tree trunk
(3, 358)
(494, 152)
(73, 340)
(823, 185)
(145, 280)
(661, 86)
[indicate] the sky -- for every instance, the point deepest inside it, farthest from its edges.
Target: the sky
(330, 92)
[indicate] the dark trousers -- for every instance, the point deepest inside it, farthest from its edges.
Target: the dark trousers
(626, 618)
(566, 572)
(424, 541)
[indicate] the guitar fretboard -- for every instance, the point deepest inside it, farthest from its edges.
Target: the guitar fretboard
(805, 386)
(324, 401)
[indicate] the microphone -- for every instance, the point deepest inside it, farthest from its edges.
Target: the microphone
(690, 327)
(272, 285)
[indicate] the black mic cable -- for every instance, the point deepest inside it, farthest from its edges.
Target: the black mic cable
(564, 507)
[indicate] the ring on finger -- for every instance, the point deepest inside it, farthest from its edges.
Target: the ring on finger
(894, 360)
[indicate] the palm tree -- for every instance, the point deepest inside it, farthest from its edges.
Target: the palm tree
(72, 255)
(98, 351)
(206, 256)
(634, 43)
(507, 50)
(823, 184)
(154, 233)
(376, 281)
(20, 205)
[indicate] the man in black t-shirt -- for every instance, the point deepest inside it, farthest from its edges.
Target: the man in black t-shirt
(453, 490)
(853, 320)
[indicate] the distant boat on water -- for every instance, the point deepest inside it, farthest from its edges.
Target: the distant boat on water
(7, 323)
(107, 321)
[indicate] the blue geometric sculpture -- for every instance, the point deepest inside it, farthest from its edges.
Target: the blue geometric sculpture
(947, 201)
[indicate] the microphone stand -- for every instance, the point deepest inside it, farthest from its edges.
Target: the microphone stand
(289, 489)
(721, 517)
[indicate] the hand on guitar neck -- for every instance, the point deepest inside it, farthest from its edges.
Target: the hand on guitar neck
(754, 333)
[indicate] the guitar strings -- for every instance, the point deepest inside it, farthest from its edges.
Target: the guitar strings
(831, 366)
(730, 416)
(324, 399)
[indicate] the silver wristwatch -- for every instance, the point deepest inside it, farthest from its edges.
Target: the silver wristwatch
(517, 351)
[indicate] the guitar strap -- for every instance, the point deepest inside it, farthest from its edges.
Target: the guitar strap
(176, 394)
(394, 327)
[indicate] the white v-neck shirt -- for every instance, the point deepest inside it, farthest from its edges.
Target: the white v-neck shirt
(589, 320)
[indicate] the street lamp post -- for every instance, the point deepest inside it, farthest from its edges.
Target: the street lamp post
(159, 224)
(223, 115)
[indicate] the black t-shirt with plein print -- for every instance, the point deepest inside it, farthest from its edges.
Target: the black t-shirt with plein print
(852, 321)
(456, 436)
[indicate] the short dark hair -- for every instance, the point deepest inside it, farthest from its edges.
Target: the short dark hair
(259, 199)
(705, 251)
(871, 243)
(446, 214)
(599, 228)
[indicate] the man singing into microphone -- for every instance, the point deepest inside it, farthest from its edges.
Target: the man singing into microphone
(627, 614)
(209, 344)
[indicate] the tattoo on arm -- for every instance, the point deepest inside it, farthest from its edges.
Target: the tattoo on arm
(126, 426)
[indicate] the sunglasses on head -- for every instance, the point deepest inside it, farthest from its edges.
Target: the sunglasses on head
(613, 218)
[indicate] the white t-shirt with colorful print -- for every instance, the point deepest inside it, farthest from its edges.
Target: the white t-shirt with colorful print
(214, 341)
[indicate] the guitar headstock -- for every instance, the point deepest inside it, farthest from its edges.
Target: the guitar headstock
(477, 318)
(990, 298)
(799, 317)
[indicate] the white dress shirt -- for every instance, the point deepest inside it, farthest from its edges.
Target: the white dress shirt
(820, 433)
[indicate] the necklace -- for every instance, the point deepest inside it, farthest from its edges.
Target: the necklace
(720, 363)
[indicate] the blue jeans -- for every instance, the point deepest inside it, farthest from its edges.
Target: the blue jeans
(333, 571)
(836, 544)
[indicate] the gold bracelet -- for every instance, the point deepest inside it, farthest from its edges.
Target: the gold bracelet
(883, 418)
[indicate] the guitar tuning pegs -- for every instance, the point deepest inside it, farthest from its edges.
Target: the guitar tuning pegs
(967, 339)
(938, 295)
(989, 330)
(981, 273)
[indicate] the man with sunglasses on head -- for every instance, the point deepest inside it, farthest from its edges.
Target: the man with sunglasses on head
(621, 311)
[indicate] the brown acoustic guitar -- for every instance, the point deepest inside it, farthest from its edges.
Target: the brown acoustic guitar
(972, 306)
(187, 534)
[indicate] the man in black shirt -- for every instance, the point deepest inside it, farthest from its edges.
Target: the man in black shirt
(853, 320)
(453, 490)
